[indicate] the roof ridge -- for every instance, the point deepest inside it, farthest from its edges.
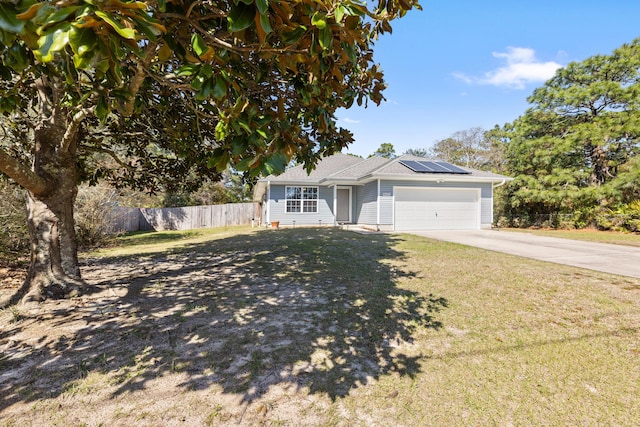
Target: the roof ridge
(385, 164)
(351, 166)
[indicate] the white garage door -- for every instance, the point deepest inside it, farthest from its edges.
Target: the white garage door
(437, 209)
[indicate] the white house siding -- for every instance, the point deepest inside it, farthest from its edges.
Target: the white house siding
(386, 209)
(486, 197)
(277, 208)
(366, 203)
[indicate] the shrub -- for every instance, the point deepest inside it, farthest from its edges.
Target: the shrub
(625, 217)
(95, 211)
(14, 236)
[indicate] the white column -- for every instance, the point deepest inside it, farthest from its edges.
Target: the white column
(335, 204)
(268, 219)
(378, 204)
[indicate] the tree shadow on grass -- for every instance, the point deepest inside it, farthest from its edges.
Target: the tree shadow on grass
(314, 309)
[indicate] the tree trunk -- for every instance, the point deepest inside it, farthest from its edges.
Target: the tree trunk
(54, 271)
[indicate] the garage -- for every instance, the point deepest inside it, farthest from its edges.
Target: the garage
(436, 209)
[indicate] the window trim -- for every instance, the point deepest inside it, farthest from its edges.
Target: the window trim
(302, 199)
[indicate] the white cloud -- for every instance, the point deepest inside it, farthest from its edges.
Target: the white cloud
(521, 68)
(350, 120)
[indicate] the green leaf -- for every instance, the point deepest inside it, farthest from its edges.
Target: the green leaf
(198, 82)
(82, 40)
(149, 31)
(7, 104)
(276, 163)
(351, 53)
(244, 125)
(318, 20)
(265, 24)
(220, 88)
(60, 15)
(262, 6)
(162, 5)
(325, 38)
(241, 17)
(220, 160)
(18, 58)
(239, 145)
(84, 62)
(206, 71)
(243, 164)
(5, 72)
(339, 13)
(52, 42)
(292, 37)
(188, 70)
(8, 20)
(221, 131)
(205, 91)
(127, 33)
(262, 133)
(6, 38)
(102, 109)
(356, 9)
(198, 44)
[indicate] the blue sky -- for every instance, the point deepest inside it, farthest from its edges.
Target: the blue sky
(464, 63)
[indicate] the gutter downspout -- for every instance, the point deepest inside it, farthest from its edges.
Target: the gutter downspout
(500, 184)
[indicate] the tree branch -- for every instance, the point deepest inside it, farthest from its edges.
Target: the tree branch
(110, 153)
(138, 78)
(221, 43)
(21, 174)
(72, 129)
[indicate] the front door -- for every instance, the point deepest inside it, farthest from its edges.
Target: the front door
(343, 209)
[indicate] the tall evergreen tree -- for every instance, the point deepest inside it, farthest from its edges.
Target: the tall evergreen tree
(568, 151)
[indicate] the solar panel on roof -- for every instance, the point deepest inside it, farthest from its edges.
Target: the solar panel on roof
(437, 168)
(453, 168)
(414, 166)
(424, 166)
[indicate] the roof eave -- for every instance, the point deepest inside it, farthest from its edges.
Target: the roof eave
(441, 177)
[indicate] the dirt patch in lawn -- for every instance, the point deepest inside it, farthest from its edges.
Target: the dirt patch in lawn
(267, 328)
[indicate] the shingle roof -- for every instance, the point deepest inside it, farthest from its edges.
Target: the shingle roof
(325, 167)
(363, 168)
(344, 167)
(397, 168)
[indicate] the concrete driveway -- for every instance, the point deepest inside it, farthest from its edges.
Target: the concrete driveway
(616, 259)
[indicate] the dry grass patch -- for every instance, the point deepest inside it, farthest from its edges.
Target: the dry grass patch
(324, 327)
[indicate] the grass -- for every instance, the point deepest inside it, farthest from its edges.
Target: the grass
(588, 235)
(329, 327)
(144, 242)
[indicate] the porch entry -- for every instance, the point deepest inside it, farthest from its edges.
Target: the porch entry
(343, 201)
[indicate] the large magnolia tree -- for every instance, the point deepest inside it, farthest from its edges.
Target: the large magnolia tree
(152, 92)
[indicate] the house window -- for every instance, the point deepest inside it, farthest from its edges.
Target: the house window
(302, 199)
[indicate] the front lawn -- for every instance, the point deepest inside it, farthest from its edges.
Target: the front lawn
(324, 327)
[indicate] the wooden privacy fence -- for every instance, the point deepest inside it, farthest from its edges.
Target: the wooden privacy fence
(186, 218)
